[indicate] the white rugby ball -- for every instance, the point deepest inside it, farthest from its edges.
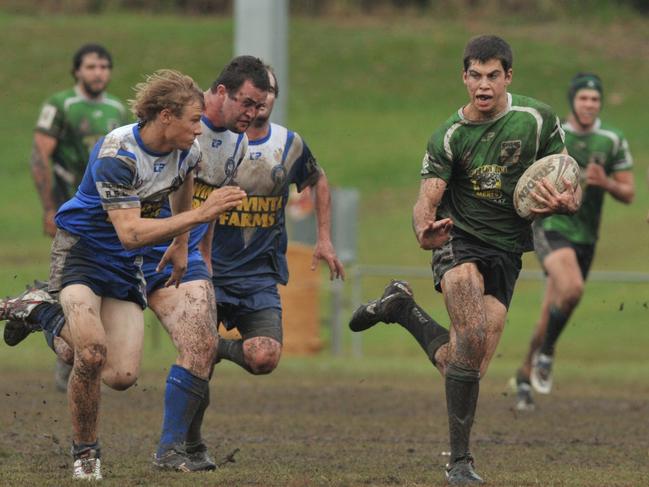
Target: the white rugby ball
(555, 168)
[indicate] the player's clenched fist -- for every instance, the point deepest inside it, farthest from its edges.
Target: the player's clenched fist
(221, 200)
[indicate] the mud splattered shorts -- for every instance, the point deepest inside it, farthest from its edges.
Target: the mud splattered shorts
(499, 268)
(196, 270)
(73, 261)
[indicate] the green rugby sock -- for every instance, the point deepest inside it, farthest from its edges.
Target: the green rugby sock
(462, 388)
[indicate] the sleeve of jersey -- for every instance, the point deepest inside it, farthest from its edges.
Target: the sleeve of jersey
(114, 181)
(307, 170)
(50, 120)
(437, 161)
(622, 159)
(553, 138)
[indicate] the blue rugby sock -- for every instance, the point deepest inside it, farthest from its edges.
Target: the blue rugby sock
(50, 317)
(183, 396)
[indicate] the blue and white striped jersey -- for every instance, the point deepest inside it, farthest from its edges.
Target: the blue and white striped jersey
(123, 173)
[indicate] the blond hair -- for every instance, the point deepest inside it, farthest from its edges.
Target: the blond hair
(165, 88)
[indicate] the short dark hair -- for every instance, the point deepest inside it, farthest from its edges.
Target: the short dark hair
(270, 69)
(98, 49)
(241, 69)
(486, 47)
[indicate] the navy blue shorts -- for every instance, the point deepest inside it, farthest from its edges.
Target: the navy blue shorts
(196, 270)
(73, 261)
(233, 310)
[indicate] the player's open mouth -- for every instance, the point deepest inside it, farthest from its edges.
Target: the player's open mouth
(483, 97)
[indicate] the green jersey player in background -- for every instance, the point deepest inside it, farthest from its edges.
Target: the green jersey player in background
(69, 125)
(565, 244)
(465, 214)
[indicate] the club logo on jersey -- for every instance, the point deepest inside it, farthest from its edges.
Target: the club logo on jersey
(254, 212)
(254, 156)
(159, 166)
(510, 152)
(216, 143)
(487, 182)
(230, 168)
(278, 175)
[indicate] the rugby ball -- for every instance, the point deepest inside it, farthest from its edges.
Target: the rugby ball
(555, 168)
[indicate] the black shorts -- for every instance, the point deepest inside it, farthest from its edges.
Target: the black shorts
(547, 241)
(499, 268)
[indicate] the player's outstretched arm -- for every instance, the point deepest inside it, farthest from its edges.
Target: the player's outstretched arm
(134, 231)
(430, 234)
(324, 249)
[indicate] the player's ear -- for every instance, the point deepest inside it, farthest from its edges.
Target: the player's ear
(508, 76)
(221, 90)
(165, 116)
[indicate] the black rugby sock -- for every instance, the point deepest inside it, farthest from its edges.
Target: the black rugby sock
(462, 388)
(429, 334)
(232, 350)
(556, 324)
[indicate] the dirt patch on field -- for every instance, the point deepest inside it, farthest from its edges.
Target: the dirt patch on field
(324, 429)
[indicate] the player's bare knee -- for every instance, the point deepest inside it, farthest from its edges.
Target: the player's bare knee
(91, 358)
(263, 359)
(120, 380)
(263, 364)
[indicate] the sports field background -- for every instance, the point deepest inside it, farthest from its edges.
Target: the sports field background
(365, 92)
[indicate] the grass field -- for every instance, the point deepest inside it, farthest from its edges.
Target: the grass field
(365, 93)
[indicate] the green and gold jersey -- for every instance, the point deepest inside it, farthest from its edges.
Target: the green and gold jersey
(481, 163)
(603, 145)
(77, 123)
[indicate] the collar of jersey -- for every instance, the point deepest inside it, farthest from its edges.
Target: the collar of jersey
(570, 127)
(140, 142)
(498, 116)
(211, 126)
(263, 139)
(85, 97)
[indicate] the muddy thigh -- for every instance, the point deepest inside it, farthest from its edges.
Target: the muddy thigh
(188, 313)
